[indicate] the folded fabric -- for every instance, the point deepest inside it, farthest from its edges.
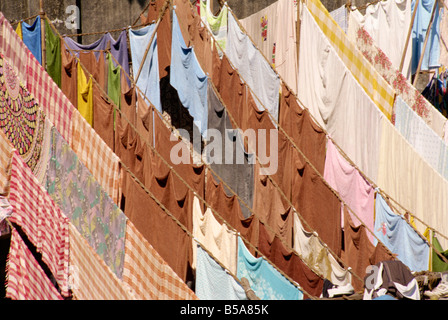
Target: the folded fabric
(213, 282)
(352, 187)
(41, 219)
(419, 31)
(253, 68)
(92, 278)
(266, 281)
(82, 199)
(217, 238)
(147, 274)
(399, 237)
(32, 38)
(336, 100)
(26, 280)
(148, 80)
(188, 78)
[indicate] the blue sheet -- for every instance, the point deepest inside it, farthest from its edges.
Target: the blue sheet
(399, 237)
(188, 78)
(148, 81)
(32, 38)
(264, 279)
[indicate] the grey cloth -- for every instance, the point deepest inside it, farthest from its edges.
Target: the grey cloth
(238, 173)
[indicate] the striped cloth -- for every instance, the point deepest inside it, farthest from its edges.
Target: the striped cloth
(26, 280)
(96, 155)
(6, 151)
(372, 82)
(50, 98)
(147, 274)
(92, 279)
(13, 48)
(42, 221)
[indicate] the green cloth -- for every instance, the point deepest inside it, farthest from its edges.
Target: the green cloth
(113, 81)
(438, 265)
(53, 54)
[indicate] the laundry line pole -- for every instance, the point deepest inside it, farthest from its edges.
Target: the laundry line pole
(428, 31)
(405, 49)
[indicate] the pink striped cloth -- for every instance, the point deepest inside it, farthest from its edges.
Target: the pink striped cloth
(26, 280)
(41, 219)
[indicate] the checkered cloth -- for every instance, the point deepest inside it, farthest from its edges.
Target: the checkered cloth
(42, 221)
(49, 96)
(26, 280)
(96, 155)
(147, 274)
(6, 151)
(373, 83)
(92, 279)
(13, 48)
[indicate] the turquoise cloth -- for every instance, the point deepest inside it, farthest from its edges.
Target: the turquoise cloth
(32, 38)
(399, 237)
(264, 279)
(213, 282)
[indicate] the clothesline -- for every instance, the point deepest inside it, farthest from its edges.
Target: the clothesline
(382, 192)
(109, 31)
(177, 174)
(25, 19)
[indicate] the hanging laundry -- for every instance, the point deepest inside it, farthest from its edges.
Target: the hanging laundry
(399, 237)
(352, 187)
(213, 282)
(85, 95)
(215, 237)
(19, 30)
(387, 23)
(336, 100)
(266, 281)
(340, 15)
(69, 73)
(317, 256)
(188, 78)
(217, 24)
(113, 80)
(89, 208)
(118, 48)
(53, 54)
(227, 155)
(94, 153)
(32, 38)
(373, 83)
(103, 117)
(26, 280)
(273, 30)
(6, 151)
(419, 30)
(253, 68)
(21, 118)
(437, 263)
(443, 59)
(46, 228)
(148, 79)
(93, 279)
(147, 274)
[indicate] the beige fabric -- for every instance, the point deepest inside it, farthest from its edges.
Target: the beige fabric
(215, 237)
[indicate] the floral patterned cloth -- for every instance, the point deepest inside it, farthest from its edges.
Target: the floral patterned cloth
(89, 208)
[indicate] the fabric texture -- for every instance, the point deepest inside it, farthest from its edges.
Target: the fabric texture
(93, 279)
(375, 86)
(336, 100)
(188, 78)
(273, 31)
(6, 151)
(419, 30)
(401, 239)
(213, 282)
(26, 280)
(32, 37)
(266, 281)
(53, 54)
(217, 24)
(94, 153)
(253, 68)
(352, 187)
(147, 274)
(82, 199)
(148, 80)
(41, 219)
